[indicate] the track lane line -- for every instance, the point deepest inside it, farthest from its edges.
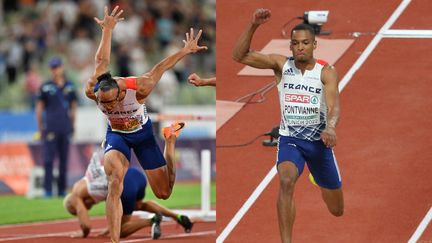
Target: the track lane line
(421, 228)
(174, 236)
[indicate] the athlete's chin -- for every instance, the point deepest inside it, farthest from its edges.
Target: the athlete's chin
(301, 59)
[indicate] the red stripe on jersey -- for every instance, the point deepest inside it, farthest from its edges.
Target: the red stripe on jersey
(131, 83)
(322, 62)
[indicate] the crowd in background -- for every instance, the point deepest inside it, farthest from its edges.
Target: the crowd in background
(32, 31)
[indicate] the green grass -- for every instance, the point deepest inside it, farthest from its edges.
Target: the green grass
(18, 209)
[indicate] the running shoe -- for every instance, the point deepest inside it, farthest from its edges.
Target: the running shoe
(185, 222)
(156, 229)
(175, 129)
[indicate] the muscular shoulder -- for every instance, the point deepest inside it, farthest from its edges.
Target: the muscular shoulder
(279, 59)
(329, 74)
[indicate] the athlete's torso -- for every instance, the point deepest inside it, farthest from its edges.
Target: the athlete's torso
(302, 101)
(128, 116)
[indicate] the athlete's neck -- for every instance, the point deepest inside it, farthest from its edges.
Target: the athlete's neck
(305, 65)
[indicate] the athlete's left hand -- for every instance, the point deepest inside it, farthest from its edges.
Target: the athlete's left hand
(191, 42)
(110, 20)
(328, 136)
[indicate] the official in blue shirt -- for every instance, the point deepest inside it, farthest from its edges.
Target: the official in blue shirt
(55, 114)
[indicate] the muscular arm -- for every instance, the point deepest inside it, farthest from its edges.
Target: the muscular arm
(146, 83)
(330, 80)
(75, 205)
(242, 52)
(102, 57)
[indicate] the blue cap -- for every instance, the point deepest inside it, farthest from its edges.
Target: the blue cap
(55, 62)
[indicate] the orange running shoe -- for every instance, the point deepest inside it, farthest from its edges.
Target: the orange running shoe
(175, 129)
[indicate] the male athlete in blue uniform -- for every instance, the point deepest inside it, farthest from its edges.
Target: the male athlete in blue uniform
(309, 100)
(93, 188)
(121, 99)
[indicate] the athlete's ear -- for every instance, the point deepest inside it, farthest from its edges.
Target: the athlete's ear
(314, 44)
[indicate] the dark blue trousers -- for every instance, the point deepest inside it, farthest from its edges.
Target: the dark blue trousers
(55, 144)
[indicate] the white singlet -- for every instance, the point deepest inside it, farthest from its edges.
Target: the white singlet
(128, 116)
(302, 101)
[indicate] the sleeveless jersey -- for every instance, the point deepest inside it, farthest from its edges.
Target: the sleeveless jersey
(96, 179)
(128, 116)
(302, 102)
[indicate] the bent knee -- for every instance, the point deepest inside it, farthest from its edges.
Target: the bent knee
(163, 194)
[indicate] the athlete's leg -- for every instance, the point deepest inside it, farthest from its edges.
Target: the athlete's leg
(288, 174)
(162, 179)
(154, 207)
(115, 164)
(334, 200)
(323, 166)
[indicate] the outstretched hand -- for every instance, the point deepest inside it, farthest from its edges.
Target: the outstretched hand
(191, 42)
(261, 16)
(109, 21)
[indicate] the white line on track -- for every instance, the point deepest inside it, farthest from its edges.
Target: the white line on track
(251, 200)
(34, 236)
(421, 228)
(45, 223)
(175, 236)
(373, 44)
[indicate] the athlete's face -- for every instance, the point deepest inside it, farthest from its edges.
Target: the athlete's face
(302, 45)
(108, 99)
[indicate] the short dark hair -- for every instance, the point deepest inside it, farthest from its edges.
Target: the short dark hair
(106, 82)
(304, 27)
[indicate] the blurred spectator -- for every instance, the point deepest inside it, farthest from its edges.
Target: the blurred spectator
(14, 54)
(55, 113)
(81, 49)
(33, 81)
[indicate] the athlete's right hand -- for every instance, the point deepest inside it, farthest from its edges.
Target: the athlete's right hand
(109, 21)
(261, 16)
(328, 136)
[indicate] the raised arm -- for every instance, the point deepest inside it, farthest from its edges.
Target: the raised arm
(102, 57)
(242, 52)
(330, 80)
(146, 83)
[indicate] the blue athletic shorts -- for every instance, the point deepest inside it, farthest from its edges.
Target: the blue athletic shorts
(142, 142)
(320, 160)
(134, 186)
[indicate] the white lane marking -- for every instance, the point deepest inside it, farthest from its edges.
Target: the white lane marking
(421, 228)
